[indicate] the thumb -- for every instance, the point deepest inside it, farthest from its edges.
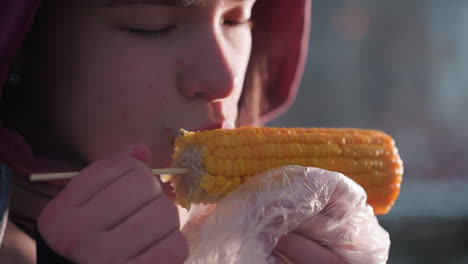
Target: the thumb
(140, 152)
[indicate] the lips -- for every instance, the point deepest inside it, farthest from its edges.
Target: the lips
(168, 190)
(224, 124)
(216, 125)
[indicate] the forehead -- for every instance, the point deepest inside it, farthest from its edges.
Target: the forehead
(174, 3)
(182, 3)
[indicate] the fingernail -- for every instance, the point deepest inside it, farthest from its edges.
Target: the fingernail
(132, 148)
(140, 152)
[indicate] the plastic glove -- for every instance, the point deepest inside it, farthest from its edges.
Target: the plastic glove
(323, 206)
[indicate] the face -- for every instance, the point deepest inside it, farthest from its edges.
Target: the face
(114, 74)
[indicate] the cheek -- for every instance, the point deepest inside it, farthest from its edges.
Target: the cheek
(179, 63)
(163, 96)
(103, 92)
(240, 46)
(116, 105)
(129, 82)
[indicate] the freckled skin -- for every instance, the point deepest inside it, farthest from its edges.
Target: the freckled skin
(123, 116)
(179, 63)
(106, 88)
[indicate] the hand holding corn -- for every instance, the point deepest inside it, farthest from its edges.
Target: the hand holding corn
(221, 160)
(320, 216)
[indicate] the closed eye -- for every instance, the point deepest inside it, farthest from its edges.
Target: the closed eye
(247, 22)
(151, 33)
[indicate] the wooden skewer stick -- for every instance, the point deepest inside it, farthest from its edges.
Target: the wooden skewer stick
(67, 175)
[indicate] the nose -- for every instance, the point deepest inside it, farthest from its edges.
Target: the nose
(209, 73)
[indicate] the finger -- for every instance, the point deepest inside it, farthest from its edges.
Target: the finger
(301, 250)
(145, 227)
(280, 261)
(171, 249)
(141, 152)
(97, 176)
(280, 258)
(121, 198)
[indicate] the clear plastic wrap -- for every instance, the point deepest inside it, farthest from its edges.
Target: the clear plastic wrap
(324, 206)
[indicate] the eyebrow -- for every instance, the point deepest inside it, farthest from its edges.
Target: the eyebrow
(174, 3)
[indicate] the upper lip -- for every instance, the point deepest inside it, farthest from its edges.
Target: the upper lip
(209, 126)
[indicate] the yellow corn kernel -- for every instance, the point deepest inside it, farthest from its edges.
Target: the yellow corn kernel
(242, 169)
(207, 181)
(228, 168)
(210, 165)
(220, 153)
(205, 151)
(235, 168)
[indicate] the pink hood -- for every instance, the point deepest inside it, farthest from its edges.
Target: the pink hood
(282, 24)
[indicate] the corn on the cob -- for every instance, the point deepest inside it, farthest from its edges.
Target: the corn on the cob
(221, 159)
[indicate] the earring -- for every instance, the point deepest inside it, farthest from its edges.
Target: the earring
(14, 78)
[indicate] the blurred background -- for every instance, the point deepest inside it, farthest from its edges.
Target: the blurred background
(402, 67)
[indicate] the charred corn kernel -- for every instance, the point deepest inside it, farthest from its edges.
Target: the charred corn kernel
(230, 157)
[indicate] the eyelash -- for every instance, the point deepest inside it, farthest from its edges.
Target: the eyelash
(151, 33)
(234, 23)
(165, 31)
